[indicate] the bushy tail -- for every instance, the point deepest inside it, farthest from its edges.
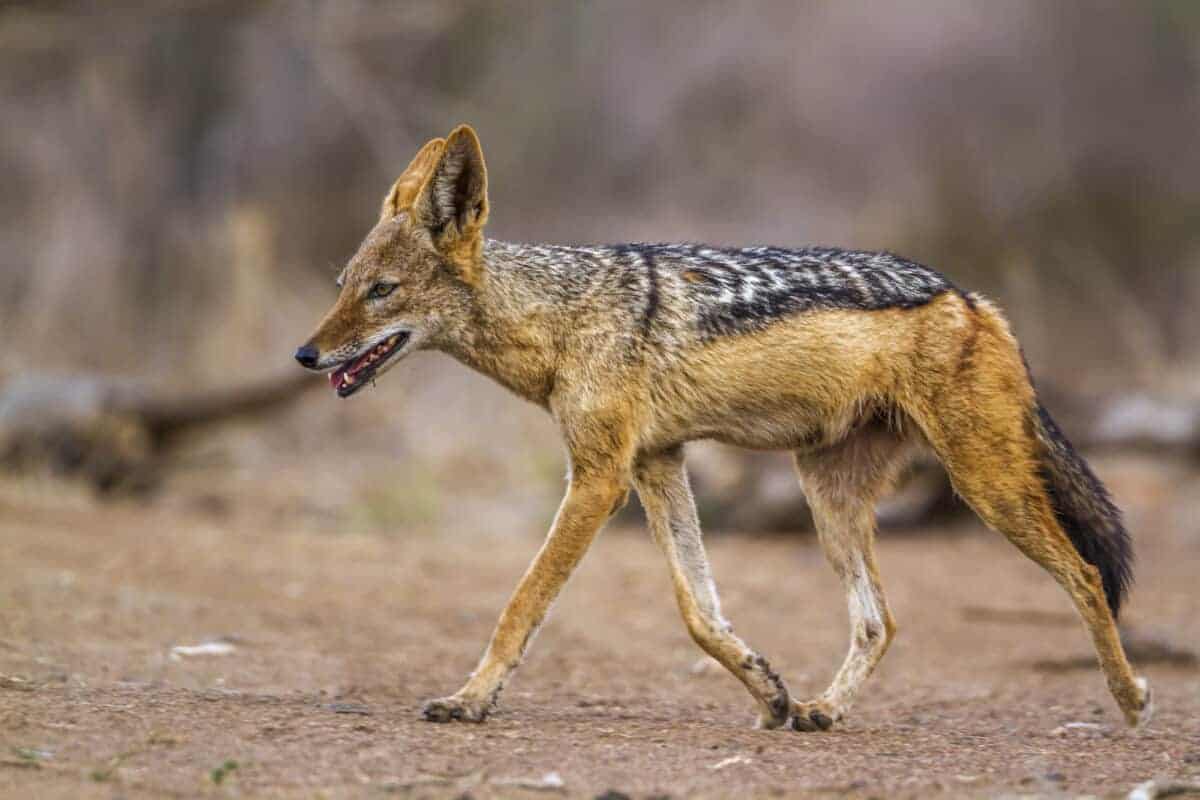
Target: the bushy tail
(1085, 511)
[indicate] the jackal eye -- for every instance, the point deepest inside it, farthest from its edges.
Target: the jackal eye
(381, 289)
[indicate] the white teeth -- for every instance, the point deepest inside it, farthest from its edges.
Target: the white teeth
(380, 351)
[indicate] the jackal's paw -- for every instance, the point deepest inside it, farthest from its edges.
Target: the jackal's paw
(455, 708)
(813, 716)
(1139, 717)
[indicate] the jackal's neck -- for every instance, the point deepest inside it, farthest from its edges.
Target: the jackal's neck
(518, 314)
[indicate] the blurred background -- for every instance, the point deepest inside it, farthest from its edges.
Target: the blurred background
(202, 547)
(184, 181)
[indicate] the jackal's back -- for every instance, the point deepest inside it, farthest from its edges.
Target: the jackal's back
(738, 290)
(724, 291)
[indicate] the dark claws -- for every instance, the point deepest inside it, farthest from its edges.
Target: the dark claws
(815, 721)
(435, 713)
(441, 711)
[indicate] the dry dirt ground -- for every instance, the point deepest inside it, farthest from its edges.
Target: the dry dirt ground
(337, 639)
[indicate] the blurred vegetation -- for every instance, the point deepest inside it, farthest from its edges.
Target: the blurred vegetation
(184, 179)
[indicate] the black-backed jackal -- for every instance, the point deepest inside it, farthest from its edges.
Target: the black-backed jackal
(849, 359)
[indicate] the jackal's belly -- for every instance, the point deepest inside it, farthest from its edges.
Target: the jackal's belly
(757, 409)
(766, 432)
(794, 426)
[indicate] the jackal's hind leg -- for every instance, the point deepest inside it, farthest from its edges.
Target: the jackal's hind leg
(982, 421)
(841, 483)
(662, 485)
(1019, 507)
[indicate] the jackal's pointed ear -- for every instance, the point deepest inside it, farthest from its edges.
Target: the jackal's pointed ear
(453, 203)
(404, 191)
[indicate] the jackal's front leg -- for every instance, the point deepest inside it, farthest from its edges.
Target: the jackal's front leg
(590, 499)
(662, 485)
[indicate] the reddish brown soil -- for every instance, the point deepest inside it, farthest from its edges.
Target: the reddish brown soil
(339, 638)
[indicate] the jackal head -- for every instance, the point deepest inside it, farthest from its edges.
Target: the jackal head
(412, 278)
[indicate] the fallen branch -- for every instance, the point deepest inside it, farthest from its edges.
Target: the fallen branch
(115, 434)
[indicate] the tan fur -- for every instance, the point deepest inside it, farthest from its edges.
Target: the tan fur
(404, 191)
(850, 391)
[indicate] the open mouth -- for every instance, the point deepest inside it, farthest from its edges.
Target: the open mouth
(357, 372)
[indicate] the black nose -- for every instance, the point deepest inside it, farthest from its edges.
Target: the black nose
(307, 356)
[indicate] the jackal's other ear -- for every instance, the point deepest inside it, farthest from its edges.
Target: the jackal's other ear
(404, 191)
(453, 203)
